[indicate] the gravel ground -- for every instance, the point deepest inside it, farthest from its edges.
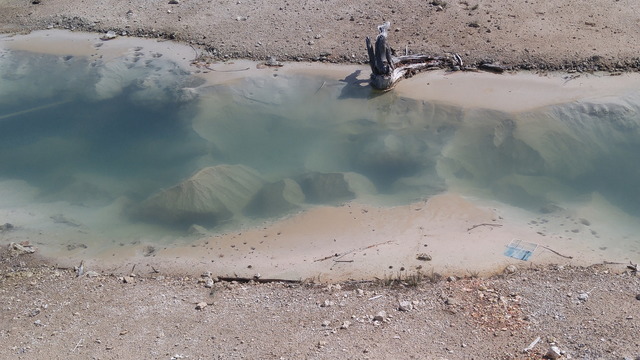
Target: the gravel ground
(579, 35)
(49, 312)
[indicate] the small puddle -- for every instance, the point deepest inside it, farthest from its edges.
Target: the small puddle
(115, 144)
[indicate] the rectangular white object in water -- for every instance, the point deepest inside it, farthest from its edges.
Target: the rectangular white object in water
(520, 250)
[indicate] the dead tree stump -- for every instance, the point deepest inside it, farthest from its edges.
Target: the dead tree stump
(387, 70)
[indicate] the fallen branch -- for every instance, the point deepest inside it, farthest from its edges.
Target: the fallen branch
(255, 279)
(494, 68)
(326, 257)
(386, 69)
(336, 256)
(233, 70)
(485, 224)
(555, 252)
(320, 88)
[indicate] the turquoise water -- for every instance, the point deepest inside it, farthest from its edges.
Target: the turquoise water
(110, 145)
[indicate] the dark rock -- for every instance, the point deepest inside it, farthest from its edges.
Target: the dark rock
(276, 198)
(325, 187)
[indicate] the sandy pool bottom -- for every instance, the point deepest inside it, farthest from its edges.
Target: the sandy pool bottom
(459, 232)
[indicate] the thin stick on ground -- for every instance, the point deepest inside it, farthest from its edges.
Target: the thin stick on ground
(79, 344)
(555, 252)
(485, 224)
(339, 256)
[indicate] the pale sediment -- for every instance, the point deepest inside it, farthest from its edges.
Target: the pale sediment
(462, 222)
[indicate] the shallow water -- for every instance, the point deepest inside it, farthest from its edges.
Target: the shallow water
(98, 146)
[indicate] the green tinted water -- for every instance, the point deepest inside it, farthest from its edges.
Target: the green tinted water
(100, 146)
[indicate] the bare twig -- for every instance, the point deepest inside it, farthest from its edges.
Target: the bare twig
(326, 258)
(78, 345)
(259, 280)
(339, 256)
(155, 270)
(196, 51)
(555, 252)
(485, 224)
(233, 70)
(320, 88)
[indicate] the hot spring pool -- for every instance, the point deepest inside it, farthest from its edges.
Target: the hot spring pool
(112, 143)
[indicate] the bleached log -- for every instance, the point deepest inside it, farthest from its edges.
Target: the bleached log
(386, 69)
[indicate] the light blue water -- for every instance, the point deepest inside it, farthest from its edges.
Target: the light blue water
(82, 134)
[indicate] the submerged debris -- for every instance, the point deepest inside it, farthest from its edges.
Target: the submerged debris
(21, 248)
(109, 35)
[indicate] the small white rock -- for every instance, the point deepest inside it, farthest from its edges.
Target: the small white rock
(553, 353)
(92, 274)
(380, 316)
(327, 303)
(109, 35)
(405, 306)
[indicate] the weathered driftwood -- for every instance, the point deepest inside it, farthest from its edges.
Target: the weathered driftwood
(387, 69)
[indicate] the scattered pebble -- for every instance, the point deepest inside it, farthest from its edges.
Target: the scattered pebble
(405, 306)
(553, 353)
(110, 35)
(327, 303)
(92, 274)
(201, 305)
(424, 257)
(510, 269)
(583, 296)
(380, 316)
(450, 301)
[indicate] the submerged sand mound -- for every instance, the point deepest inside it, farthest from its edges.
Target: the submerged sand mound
(276, 198)
(211, 195)
(334, 187)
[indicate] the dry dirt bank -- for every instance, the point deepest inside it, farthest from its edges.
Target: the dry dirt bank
(47, 312)
(577, 34)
